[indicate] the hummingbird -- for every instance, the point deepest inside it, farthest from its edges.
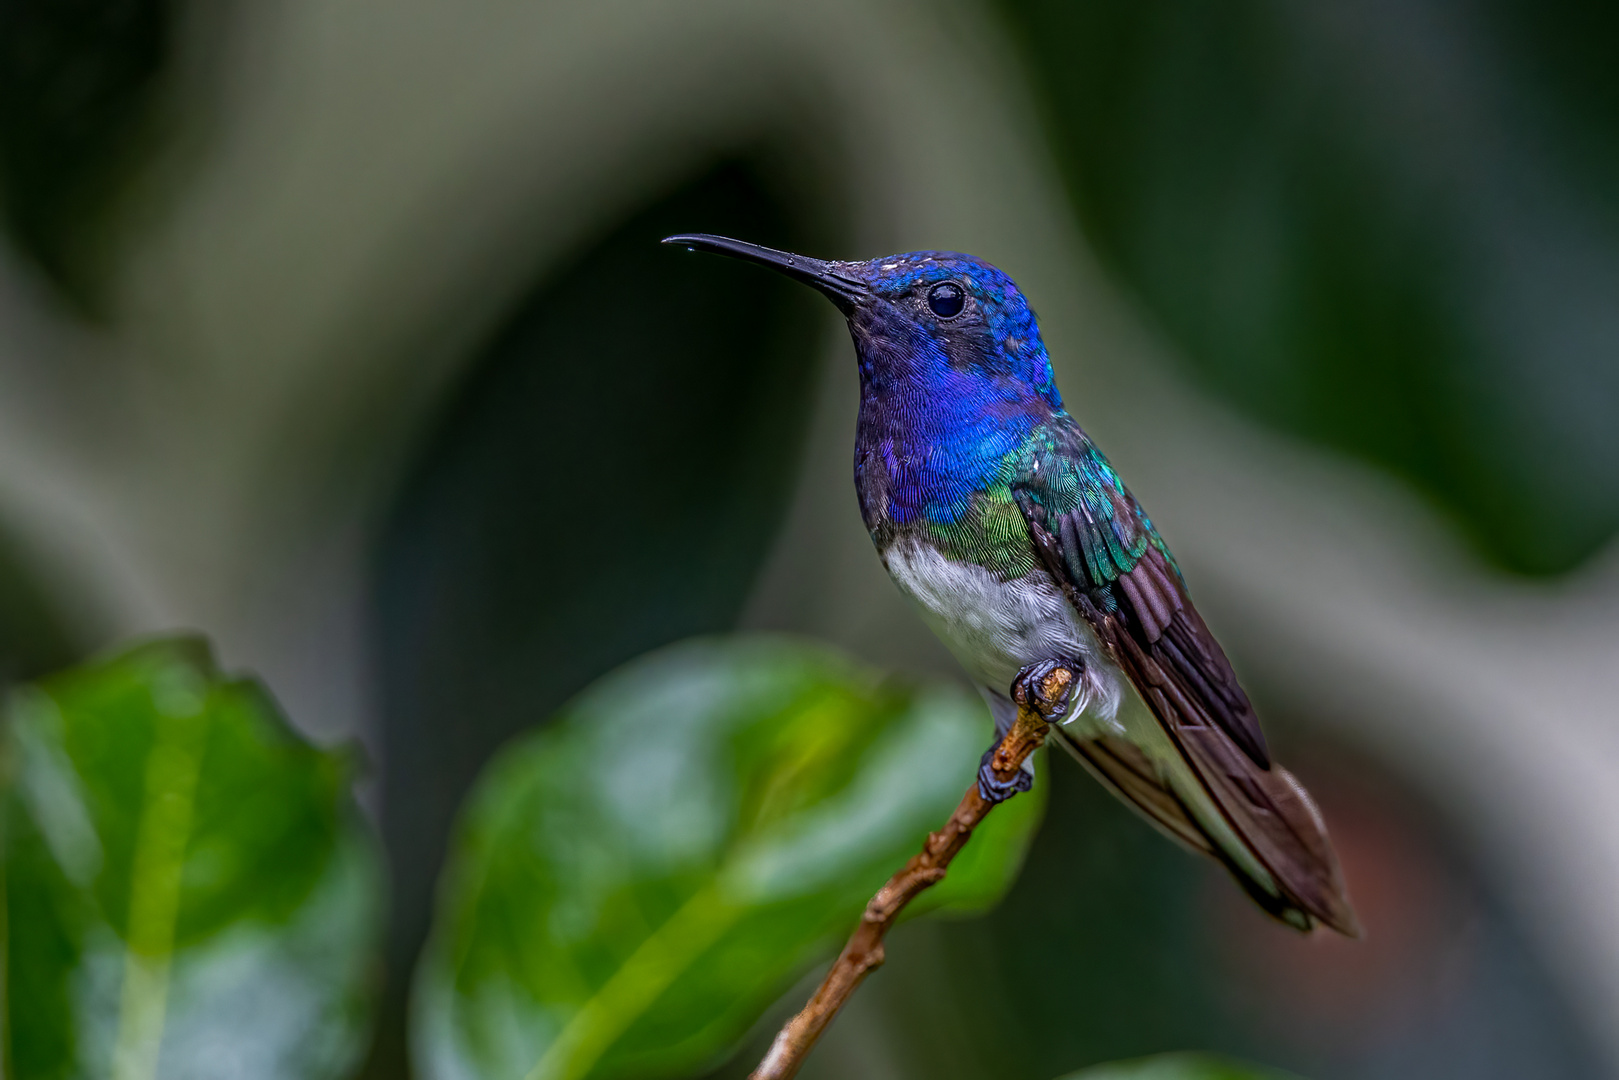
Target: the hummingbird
(1018, 543)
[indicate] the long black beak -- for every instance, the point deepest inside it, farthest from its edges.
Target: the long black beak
(844, 290)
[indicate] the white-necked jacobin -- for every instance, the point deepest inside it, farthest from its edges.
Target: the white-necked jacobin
(1019, 544)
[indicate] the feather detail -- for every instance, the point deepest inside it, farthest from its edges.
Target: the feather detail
(1145, 621)
(1125, 770)
(1148, 593)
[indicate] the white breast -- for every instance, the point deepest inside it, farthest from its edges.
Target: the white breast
(995, 628)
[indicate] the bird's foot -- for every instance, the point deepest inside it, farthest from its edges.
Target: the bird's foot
(1048, 687)
(993, 788)
(1043, 692)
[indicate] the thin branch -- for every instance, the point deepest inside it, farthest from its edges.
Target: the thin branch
(1041, 692)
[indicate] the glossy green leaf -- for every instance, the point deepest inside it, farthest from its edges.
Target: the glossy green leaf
(634, 885)
(189, 888)
(1179, 1067)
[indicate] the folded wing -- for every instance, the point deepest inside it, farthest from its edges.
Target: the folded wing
(1094, 539)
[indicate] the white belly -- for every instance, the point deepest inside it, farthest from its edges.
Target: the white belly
(996, 628)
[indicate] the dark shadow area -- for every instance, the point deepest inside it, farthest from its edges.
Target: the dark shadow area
(80, 88)
(1389, 229)
(33, 638)
(608, 479)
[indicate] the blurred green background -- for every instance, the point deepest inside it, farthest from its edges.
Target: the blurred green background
(342, 335)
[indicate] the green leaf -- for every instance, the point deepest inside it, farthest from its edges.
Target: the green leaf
(631, 887)
(189, 889)
(1179, 1067)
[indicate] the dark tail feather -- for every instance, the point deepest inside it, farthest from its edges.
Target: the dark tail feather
(1268, 809)
(1279, 822)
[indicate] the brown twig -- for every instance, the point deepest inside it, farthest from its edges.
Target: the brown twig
(1041, 691)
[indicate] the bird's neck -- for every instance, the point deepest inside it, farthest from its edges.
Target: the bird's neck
(931, 437)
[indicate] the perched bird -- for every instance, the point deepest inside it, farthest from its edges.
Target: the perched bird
(1018, 542)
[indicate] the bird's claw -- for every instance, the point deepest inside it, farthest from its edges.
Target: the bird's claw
(992, 788)
(1048, 687)
(1045, 689)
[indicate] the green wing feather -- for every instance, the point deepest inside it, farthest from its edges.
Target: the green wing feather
(1094, 538)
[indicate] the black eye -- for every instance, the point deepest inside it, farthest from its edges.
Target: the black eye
(946, 299)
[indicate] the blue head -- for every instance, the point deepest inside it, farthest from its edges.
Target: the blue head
(954, 383)
(925, 324)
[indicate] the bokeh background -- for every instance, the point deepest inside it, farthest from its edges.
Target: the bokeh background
(340, 333)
